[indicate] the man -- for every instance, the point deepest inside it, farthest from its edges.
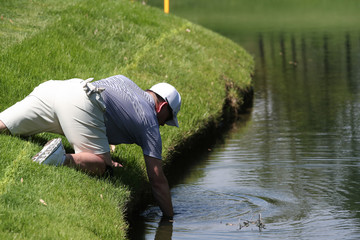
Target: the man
(92, 116)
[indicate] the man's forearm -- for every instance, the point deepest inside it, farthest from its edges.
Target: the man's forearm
(159, 184)
(161, 192)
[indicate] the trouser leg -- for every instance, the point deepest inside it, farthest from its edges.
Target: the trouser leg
(31, 115)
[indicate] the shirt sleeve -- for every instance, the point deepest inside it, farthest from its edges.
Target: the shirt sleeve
(152, 144)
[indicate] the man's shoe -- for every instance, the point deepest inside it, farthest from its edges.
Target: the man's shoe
(53, 153)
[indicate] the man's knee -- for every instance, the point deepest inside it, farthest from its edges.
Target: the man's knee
(3, 128)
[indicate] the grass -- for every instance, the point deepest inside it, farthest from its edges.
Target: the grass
(48, 39)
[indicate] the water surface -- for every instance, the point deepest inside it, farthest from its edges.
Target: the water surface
(295, 160)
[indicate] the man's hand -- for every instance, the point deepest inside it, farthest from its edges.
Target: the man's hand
(116, 164)
(112, 148)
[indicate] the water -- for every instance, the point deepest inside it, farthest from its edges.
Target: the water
(295, 160)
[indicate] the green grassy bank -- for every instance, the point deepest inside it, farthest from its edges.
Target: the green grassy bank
(49, 39)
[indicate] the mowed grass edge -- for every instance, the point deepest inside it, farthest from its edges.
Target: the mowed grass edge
(47, 39)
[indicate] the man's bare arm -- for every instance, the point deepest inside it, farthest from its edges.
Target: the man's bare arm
(159, 184)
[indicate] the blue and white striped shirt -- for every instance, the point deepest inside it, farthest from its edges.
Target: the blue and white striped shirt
(130, 115)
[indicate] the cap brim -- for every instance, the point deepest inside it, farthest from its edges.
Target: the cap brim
(174, 122)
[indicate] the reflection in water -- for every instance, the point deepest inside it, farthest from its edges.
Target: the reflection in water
(296, 161)
(164, 230)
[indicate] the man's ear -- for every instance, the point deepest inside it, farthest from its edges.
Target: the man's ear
(161, 105)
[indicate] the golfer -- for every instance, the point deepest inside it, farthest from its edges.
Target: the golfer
(93, 116)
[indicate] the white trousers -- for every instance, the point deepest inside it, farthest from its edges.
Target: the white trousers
(73, 108)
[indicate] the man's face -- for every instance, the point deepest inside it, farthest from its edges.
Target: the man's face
(164, 113)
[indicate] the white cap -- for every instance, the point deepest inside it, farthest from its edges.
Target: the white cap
(172, 96)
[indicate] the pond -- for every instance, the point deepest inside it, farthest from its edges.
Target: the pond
(294, 161)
